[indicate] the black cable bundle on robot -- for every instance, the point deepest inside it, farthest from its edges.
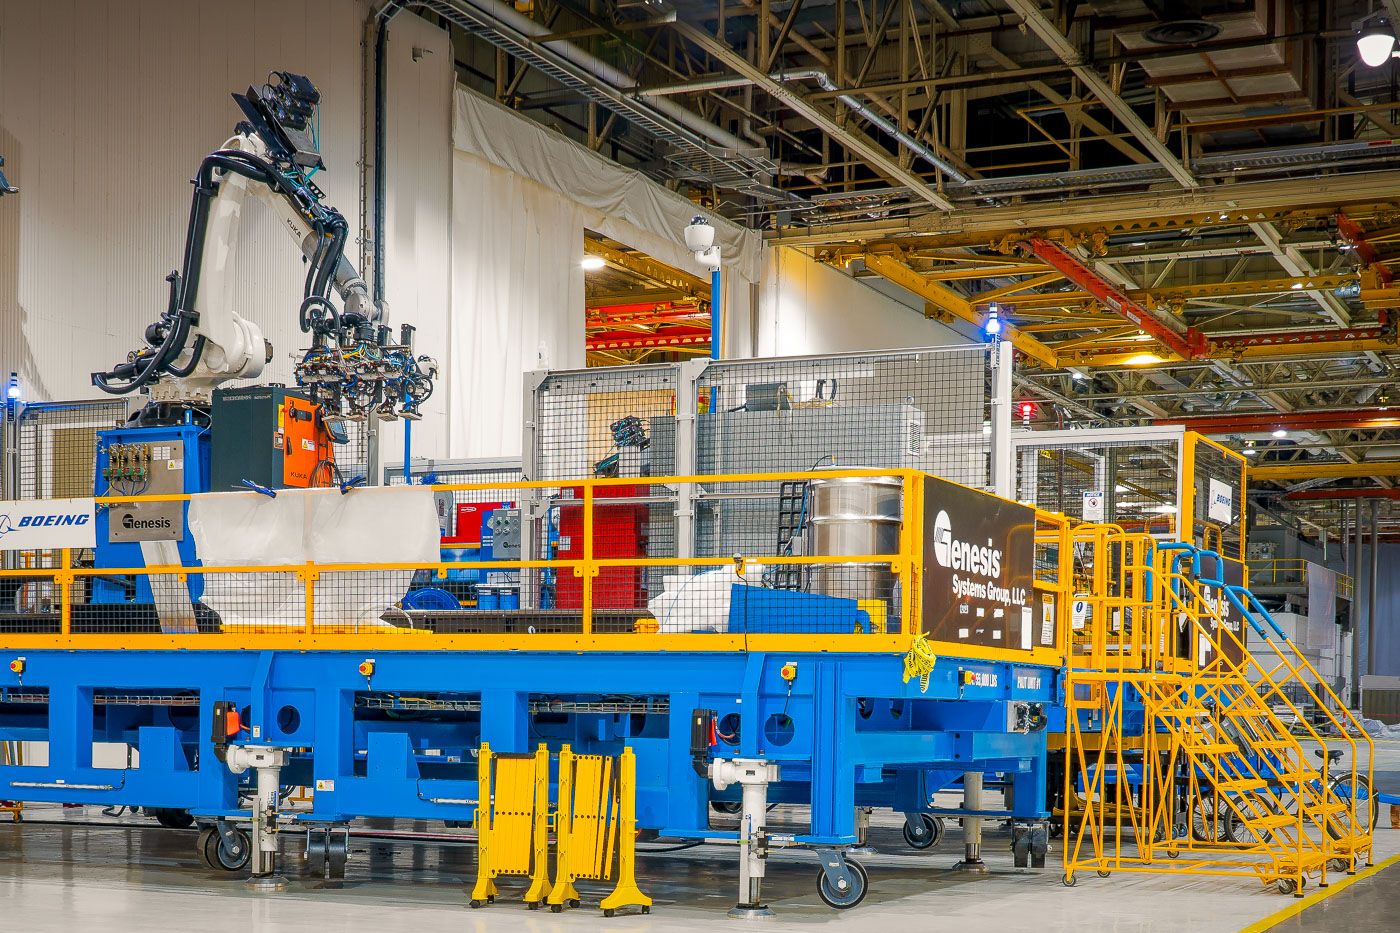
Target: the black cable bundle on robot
(169, 335)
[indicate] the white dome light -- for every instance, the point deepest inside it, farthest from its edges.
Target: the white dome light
(1375, 46)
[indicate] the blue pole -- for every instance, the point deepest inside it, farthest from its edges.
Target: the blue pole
(716, 300)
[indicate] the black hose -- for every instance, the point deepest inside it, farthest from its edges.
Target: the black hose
(183, 371)
(325, 275)
(311, 301)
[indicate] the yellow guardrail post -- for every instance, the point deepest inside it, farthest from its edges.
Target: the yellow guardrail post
(627, 893)
(588, 568)
(485, 890)
(64, 581)
(309, 576)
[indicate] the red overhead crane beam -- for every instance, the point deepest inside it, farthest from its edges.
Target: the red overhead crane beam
(1190, 346)
(1345, 494)
(1356, 419)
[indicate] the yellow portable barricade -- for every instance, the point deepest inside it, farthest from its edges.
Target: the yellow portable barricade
(512, 820)
(594, 798)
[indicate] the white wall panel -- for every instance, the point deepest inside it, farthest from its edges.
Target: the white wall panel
(106, 108)
(810, 307)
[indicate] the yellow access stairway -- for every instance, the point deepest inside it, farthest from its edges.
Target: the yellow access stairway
(1181, 748)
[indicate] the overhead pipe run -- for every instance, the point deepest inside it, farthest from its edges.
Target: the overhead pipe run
(619, 80)
(865, 111)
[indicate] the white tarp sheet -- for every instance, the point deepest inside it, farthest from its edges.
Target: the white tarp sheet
(387, 524)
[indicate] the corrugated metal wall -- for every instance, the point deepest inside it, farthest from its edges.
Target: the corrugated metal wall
(106, 108)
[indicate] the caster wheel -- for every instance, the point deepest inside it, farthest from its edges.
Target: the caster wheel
(929, 834)
(490, 898)
(646, 908)
(609, 912)
(475, 904)
(1339, 864)
(844, 900)
(556, 908)
(230, 856)
(1068, 881)
(1286, 885)
(1102, 874)
(574, 902)
(200, 850)
(1173, 853)
(533, 905)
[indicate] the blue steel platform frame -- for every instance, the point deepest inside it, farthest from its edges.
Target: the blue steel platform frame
(365, 763)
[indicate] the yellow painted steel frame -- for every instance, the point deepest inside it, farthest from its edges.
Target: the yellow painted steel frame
(1210, 716)
(1188, 488)
(626, 894)
(907, 566)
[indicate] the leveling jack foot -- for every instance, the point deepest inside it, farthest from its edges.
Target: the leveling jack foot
(267, 883)
(974, 866)
(750, 911)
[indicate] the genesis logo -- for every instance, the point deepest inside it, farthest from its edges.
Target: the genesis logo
(963, 555)
(131, 522)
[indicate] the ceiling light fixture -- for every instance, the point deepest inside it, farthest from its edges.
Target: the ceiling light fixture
(1143, 359)
(592, 263)
(1375, 40)
(1280, 432)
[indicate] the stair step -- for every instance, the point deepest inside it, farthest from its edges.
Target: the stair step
(1281, 744)
(1241, 786)
(1291, 861)
(1212, 748)
(1272, 821)
(1324, 809)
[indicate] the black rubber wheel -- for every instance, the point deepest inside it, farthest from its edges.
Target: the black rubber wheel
(475, 904)
(931, 835)
(533, 905)
(557, 908)
(727, 807)
(608, 912)
(200, 846)
(1068, 881)
(225, 857)
(172, 818)
(1339, 864)
(490, 898)
(1173, 853)
(1102, 874)
(1206, 824)
(646, 908)
(1286, 885)
(844, 900)
(1342, 788)
(574, 902)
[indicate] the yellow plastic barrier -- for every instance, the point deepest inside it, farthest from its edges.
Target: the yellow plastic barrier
(512, 823)
(593, 798)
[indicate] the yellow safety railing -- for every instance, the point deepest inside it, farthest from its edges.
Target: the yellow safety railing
(589, 584)
(1292, 572)
(1210, 747)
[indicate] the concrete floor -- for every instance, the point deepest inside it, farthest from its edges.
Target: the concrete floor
(130, 875)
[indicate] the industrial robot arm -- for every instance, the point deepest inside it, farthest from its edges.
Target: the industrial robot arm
(201, 340)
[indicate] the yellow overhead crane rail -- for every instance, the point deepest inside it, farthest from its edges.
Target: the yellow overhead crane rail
(1066, 309)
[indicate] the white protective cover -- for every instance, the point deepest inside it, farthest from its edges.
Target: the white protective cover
(386, 524)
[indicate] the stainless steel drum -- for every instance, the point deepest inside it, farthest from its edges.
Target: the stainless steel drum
(851, 516)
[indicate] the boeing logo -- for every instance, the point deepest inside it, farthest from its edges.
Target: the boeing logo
(42, 521)
(963, 555)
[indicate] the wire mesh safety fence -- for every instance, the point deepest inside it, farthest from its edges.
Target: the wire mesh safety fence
(1218, 487)
(1132, 484)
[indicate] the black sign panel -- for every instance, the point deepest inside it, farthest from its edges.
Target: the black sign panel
(979, 569)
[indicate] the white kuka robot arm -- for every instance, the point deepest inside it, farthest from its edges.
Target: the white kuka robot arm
(201, 340)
